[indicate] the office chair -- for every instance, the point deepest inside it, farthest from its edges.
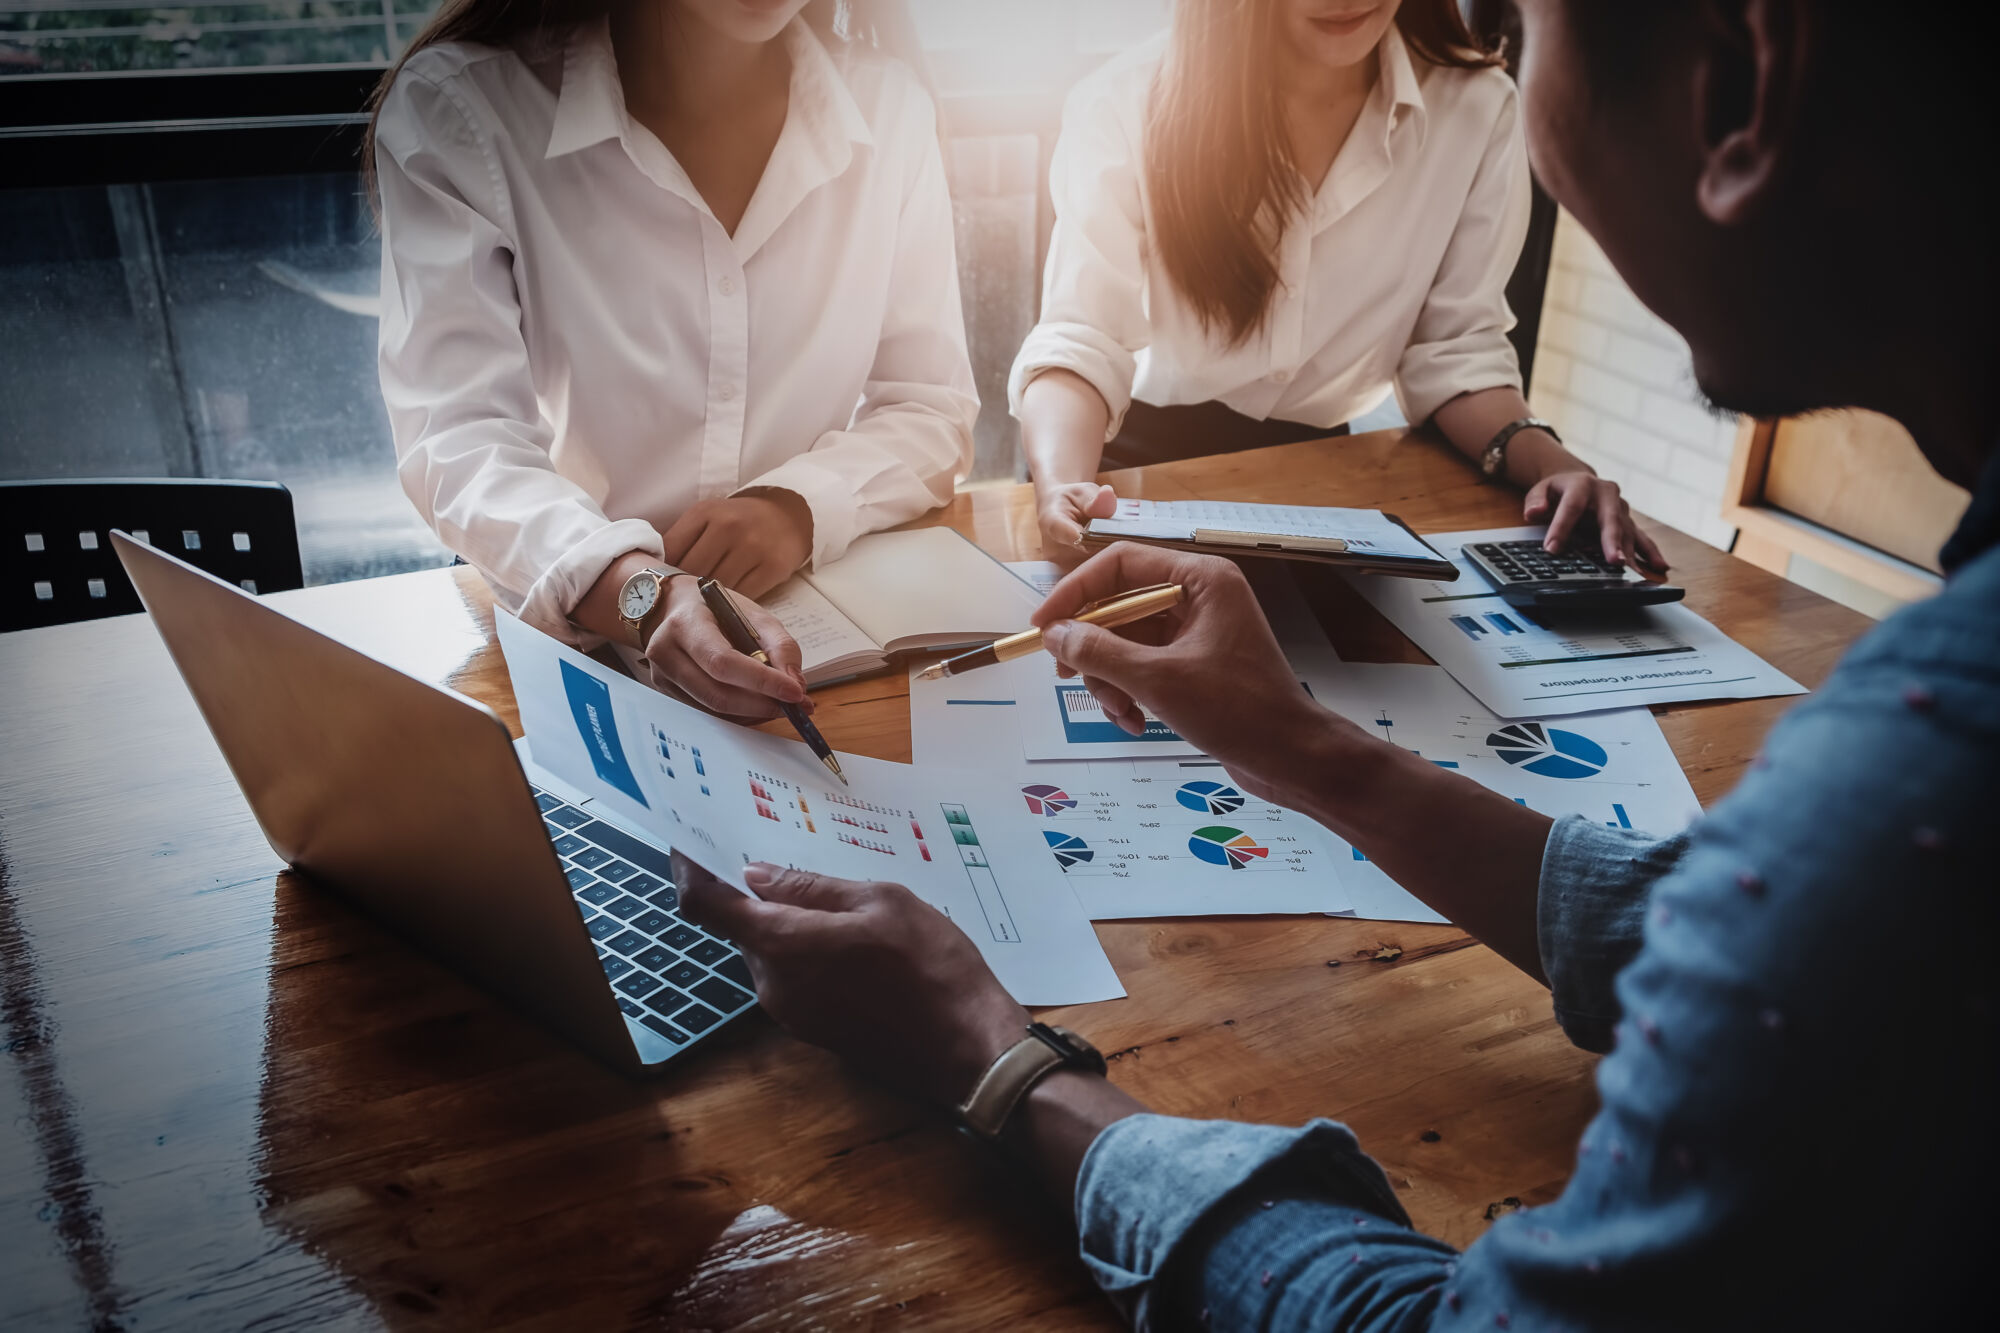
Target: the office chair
(56, 561)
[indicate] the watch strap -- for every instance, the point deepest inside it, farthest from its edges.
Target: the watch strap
(1493, 460)
(986, 1113)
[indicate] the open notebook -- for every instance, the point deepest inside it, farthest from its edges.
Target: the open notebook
(896, 592)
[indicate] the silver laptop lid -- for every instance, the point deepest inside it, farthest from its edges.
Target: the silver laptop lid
(403, 797)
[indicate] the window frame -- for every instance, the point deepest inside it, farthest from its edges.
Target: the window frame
(119, 127)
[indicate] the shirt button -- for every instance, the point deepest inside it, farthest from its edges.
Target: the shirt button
(1276, 377)
(727, 393)
(728, 285)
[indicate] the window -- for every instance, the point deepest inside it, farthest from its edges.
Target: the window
(192, 272)
(92, 36)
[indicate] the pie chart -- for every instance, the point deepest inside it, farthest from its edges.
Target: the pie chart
(1070, 850)
(1220, 845)
(1210, 798)
(1043, 799)
(1549, 752)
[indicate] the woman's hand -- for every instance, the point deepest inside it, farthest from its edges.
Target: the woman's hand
(871, 972)
(1064, 508)
(1210, 668)
(1577, 498)
(750, 542)
(688, 651)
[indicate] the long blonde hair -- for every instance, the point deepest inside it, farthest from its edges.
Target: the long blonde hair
(882, 24)
(1218, 158)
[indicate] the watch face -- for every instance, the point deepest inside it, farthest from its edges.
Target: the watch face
(638, 596)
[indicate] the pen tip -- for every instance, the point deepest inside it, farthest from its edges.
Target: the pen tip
(935, 671)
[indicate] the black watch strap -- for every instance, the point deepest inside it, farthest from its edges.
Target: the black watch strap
(1493, 461)
(986, 1113)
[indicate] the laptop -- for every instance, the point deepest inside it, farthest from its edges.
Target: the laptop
(412, 803)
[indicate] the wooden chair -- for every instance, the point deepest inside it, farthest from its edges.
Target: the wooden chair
(59, 567)
(1846, 490)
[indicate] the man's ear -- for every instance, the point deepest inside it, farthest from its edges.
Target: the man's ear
(1751, 56)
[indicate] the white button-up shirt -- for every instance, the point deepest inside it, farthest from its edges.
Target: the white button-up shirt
(574, 350)
(1393, 276)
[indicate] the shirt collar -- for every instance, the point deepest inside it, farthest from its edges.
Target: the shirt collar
(1364, 161)
(590, 107)
(1979, 531)
(1399, 80)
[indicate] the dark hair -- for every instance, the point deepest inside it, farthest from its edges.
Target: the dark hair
(1219, 162)
(883, 24)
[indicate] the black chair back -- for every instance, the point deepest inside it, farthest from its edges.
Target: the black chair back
(58, 565)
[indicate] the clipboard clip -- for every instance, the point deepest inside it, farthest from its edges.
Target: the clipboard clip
(1264, 541)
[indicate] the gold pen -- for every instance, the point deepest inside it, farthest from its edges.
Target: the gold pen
(1120, 610)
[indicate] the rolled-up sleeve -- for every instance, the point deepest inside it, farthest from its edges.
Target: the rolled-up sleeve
(472, 445)
(911, 437)
(1093, 319)
(1152, 1186)
(1591, 917)
(1459, 342)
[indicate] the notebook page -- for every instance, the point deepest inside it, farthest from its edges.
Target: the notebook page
(930, 585)
(823, 633)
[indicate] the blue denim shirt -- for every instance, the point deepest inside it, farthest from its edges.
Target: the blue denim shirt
(1796, 1125)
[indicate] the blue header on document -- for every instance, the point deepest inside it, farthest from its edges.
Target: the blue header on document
(590, 703)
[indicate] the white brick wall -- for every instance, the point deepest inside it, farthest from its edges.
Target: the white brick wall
(1618, 384)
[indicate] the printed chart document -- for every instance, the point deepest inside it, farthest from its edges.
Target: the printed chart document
(726, 795)
(1612, 767)
(1132, 838)
(1061, 719)
(1522, 668)
(894, 592)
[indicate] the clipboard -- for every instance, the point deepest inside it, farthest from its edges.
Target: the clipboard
(1282, 546)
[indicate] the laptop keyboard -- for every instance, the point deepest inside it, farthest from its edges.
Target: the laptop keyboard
(672, 977)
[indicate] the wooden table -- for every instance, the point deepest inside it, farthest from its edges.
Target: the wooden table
(227, 1099)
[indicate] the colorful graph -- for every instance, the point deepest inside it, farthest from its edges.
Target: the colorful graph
(1043, 799)
(1220, 845)
(1070, 850)
(1549, 752)
(1210, 798)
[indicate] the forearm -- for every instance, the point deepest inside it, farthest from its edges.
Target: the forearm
(1391, 804)
(1063, 423)
(1059, 1120)
(1471, 420)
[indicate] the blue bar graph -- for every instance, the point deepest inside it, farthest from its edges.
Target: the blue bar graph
(1473, 629)
(1504, 625)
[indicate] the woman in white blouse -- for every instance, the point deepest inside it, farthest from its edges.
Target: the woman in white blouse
(1268, 220)
(668, 286)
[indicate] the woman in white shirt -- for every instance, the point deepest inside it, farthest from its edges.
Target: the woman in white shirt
(1265, 222)
(668, 285)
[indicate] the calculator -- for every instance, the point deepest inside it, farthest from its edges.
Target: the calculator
(1528, 577)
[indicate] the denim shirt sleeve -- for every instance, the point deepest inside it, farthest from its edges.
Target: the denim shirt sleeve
(1591, 914)
(1767, 1144)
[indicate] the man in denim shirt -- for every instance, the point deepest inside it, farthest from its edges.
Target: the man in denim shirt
(1796, 1128)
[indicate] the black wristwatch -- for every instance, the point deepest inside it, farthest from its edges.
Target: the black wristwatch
(1008, 1080)
(1493, 462)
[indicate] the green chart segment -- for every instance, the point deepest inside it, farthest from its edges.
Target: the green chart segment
(1230, 848)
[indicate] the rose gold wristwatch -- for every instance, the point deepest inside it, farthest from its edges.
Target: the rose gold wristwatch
(643, 600)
